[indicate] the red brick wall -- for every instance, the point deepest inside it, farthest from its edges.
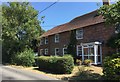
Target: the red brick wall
(98, 32)
(63, 40)
(92, 33)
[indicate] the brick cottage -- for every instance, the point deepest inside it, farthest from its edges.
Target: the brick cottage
(91, 35)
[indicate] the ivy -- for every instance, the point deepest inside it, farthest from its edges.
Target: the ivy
(71, 49)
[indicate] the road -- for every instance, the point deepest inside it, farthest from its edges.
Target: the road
(10, 73)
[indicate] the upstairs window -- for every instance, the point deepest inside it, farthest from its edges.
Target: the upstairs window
(41, 41)
(56, 51)
(79, 34)
(46, 51)
(46, 40)
(56, 38)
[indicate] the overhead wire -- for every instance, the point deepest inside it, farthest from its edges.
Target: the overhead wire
(46, 9)
(49, 6)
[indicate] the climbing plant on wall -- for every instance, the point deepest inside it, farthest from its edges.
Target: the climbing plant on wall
(71, 49)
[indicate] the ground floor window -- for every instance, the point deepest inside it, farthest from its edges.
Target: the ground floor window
(88, 51)
(46, 51)
(41, 52)
(64, 51)
(91, 51)
(56, 51)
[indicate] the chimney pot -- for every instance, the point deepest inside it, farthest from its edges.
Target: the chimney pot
(106, 2)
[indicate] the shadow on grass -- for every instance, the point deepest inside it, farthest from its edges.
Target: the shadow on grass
(44, 70)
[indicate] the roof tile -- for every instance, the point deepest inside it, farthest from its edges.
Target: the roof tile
(78, 22)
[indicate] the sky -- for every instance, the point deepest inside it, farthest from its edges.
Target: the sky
(62, 12)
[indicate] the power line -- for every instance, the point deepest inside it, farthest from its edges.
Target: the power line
(49, 6)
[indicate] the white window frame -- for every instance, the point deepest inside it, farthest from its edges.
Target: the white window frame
(89, 50)
(56, 52)
(64, 51)
(79, 35)
(57, 38)
(41, 41)
(41, 50)
(46, 51)
(79, 50)
(46, 40)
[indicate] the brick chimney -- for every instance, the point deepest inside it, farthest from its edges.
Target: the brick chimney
(106, 2)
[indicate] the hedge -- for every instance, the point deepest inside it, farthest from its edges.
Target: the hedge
(55, 64)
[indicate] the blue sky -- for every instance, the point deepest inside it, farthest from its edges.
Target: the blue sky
(62, 12)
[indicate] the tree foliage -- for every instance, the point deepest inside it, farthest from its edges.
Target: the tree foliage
(20, 26)
(111, 14)
(111, 65)
(71, 49)
(114, 42)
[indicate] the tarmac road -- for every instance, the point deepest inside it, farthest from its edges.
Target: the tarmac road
(10, 73)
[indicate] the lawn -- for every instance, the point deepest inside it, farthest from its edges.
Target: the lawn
(78, 73)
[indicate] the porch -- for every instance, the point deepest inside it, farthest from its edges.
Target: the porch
(91, 51)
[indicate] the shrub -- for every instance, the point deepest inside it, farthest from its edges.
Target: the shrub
(87, 75)
(25, 58)
(117, 55)
(87, 62)
(78, 62)
(111, 68)
(56, 64)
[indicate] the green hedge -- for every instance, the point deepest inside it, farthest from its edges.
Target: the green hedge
(111, 68)
(62, 65)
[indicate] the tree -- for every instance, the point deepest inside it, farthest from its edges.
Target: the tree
(71, 49)
(111, 65)
(20, 26)
(111, 14)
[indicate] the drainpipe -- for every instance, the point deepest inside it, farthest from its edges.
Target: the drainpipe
(82, 54)
(101, 54)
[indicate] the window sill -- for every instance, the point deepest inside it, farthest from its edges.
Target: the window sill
(56, 42)
(79, 38)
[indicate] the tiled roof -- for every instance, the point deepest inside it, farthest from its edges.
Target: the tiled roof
(78, 22)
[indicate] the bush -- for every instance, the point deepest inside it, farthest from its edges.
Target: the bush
(117, 55)
(111, 68)
(78, 62)
(56, 64)
(87, 62)
(25, 58)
